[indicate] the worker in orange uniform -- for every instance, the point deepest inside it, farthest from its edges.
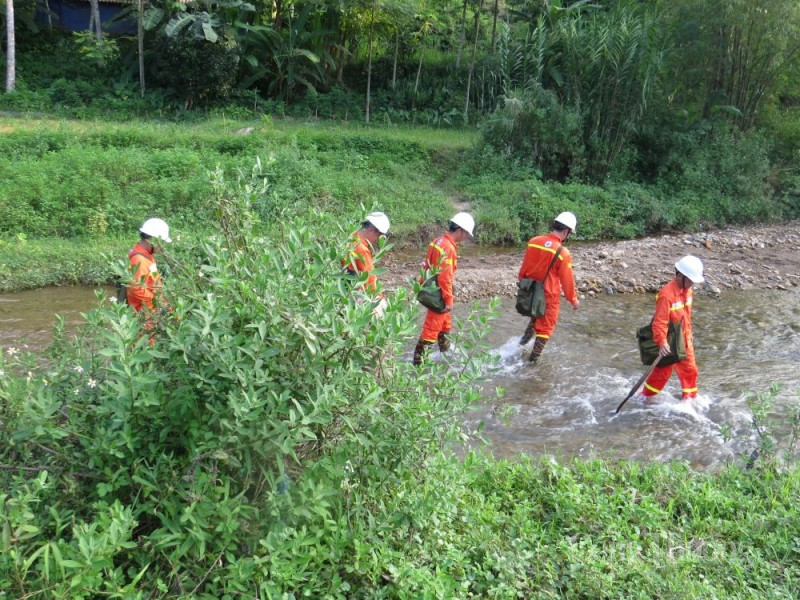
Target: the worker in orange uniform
(543, 251)
(146, 280)
(442, 259)
(674, 303)
(361, 254)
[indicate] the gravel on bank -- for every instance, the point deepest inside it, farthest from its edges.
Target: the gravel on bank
(735, 258)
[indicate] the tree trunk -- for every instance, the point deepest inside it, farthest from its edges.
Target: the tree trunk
(11, 46)
(472, 62)
(49, 15)
(494, 22)
(95, 20)
(342, 54)
(419, 70)
(369, 65)
(140, 36)
(276, 22)
(463, 39)
(396, 51)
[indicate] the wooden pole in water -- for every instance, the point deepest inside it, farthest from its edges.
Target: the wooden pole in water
(638, 383)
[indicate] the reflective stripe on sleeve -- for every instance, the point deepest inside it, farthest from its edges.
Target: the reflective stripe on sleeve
(550, 250)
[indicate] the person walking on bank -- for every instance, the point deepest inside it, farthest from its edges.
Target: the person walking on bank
(442, 259)
(361, 254)
(146, 280)
(674, 304)
(547, 255)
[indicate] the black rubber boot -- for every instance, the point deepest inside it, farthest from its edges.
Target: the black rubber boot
(444, 343)
(529, 331)
(419, 351)
(538, 346)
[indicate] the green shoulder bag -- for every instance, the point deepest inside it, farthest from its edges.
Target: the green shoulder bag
(648, 349)
(430, 295)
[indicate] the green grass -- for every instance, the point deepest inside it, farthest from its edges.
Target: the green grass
(63, 179)
(37, 263)
(69, 179)
(97, 181)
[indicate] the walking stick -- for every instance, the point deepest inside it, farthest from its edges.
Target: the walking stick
(638, 383)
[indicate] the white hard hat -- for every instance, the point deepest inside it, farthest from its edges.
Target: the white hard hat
(156, 228)
(379, 221)
(465, 221)
(568, 220)
(692, 267)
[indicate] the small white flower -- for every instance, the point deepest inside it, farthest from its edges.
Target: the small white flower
(30, 376)
(112, 298)
(11, 351)
(78, 369)
(200, 274)
(77, 391)
(46, 383)
(91, 383)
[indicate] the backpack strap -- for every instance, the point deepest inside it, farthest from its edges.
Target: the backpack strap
(552, 262)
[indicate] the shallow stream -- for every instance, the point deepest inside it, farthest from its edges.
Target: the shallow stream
(565, 404)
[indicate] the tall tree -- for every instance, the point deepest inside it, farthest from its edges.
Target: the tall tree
(140, 43)
(472, 60)
(733, 52)
(369, 63)
(94, 21)
(495, 12)
(462, 38)
(609, 63)
(11, 46)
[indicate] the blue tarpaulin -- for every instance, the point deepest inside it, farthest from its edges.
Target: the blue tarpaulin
(74, 15)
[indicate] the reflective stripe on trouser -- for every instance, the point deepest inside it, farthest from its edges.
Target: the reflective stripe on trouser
(687, 373)
(545, 325)
(435, 323)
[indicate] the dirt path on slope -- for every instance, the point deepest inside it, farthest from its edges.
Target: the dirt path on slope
(740, 258)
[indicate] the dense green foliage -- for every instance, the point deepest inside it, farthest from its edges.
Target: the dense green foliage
(687, 107)
(271, 440)
(67, 180)
(95, 182)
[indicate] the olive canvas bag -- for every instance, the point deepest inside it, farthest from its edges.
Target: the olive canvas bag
(430, 295)
(530, 293)
(648, 349)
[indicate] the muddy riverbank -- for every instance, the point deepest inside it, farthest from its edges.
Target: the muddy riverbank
(740, 258)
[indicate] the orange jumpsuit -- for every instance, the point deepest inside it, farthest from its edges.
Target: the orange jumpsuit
(146, 278)
(538, 257)
(674, 304)
(442, 259)
(360, 261)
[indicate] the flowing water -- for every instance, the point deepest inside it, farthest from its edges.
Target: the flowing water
(565, 404)
(27, 318)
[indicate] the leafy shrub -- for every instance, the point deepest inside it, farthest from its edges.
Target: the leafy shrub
(721, 176)
(267, 418)
(45, 262)
(535, 129)
(200, 72)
